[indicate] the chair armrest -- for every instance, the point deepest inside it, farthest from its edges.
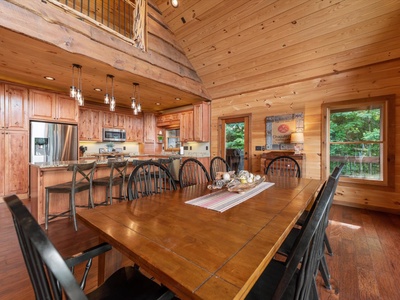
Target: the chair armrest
(87, 254)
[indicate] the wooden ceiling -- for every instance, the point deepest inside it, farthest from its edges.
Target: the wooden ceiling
(244, 46)
(235, 47)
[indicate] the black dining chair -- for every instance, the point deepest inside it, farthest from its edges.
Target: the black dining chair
(295, 233)
(283, 166)
(295, 278)
(116, 178)
(82, 180)
(193, 172)
(218, 164)
(51, 275)
(148, 178)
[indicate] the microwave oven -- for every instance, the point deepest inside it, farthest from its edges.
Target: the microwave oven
(114, 135)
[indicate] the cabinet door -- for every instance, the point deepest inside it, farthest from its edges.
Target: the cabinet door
(138, 129)
(108, 119)
(119, 121)
(89, 125)
(42, 105)
(201, 117)
(186, 126)
(96, 125)
(66, 109)
(15, 108)
(16, 162)
(149, 128)
(129, 127)
(2, 162)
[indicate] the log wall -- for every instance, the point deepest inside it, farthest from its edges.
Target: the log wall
(308, 96)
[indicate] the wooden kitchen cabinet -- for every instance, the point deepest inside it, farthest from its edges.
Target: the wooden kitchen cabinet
(268, 156)
(168, 120)
(89, 125)
(134, 129)
(14, 153)
(201, 117)
(47, 106)
(186, 126)
(113, 120)
(13, 107)
(149, 128)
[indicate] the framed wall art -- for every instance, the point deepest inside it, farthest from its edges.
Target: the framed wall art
(279, 129)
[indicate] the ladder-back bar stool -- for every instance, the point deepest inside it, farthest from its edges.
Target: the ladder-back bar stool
(82, 180)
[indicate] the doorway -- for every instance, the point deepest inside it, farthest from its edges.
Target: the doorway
(235, 142)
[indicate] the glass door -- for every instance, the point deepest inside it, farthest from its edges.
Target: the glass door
(172, 140)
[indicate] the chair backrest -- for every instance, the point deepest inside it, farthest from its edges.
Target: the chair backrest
(149, 178)
(47, 269)
(85, 171)
(309, 245)
(117, 168)
(307, 248)
(193, 172)
(166, 162)
(218, 164)
(136, 162)
(283, 166)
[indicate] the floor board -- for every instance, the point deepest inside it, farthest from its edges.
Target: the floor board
(364, 265)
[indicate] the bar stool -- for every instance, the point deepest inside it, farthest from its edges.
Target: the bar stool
(117, 177)
(79, 183)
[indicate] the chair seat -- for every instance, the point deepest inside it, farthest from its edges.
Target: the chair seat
(67, 187)
(104, 181)
(127, 283)
(266, 284)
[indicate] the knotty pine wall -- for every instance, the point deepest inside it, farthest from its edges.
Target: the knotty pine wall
(308, 95)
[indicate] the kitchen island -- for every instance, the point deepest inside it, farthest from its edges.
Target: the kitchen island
(52, 173)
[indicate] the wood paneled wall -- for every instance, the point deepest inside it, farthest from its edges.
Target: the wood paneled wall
(308, 96)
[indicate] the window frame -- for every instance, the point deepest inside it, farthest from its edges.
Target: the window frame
(387, 139)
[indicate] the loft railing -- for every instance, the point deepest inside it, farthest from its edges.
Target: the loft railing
(117, 15)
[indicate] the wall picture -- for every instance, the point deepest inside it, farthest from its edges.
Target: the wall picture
(279, 128)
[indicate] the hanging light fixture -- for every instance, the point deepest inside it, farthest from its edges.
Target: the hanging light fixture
(138, 105)
(112, 99)
(106, 95)
(79, 94)
(133, 99)
(73, 89)
(76, 91)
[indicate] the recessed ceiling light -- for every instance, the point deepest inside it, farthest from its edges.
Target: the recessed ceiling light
(98, 89)
(49, 78)
(175, 3)
(177, 98)
(158, 103)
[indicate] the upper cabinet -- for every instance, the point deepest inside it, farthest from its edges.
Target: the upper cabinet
(149, 128)
(113, 120)
(90, 125)
(13, 107)
(134, 128)
(51, 107)
(186, 126)
(201, 117)
(168, 120)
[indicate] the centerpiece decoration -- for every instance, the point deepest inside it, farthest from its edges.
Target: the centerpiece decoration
(239, 183)
(110, 147)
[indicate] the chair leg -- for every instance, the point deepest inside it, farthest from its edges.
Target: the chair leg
(46, 210)
(73, 209)
(323, 268)
(328, 245)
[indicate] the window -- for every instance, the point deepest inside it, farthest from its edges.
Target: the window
(357, 133)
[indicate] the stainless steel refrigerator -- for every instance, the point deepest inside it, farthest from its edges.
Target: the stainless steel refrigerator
(50, 142)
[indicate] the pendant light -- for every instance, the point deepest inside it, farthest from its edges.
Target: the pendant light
(76, 92)
(133, 99)
(138, 105)
(106, 95)
(112, 99)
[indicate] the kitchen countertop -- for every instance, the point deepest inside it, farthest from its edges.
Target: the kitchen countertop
(89, 159)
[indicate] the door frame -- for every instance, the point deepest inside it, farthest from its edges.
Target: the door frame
(247, 119)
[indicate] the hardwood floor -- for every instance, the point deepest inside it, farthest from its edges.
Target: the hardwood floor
(364, 265)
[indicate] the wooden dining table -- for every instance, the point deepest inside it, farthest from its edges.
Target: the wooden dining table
(200, 253)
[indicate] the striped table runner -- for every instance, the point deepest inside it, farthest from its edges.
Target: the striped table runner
(223, 200)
